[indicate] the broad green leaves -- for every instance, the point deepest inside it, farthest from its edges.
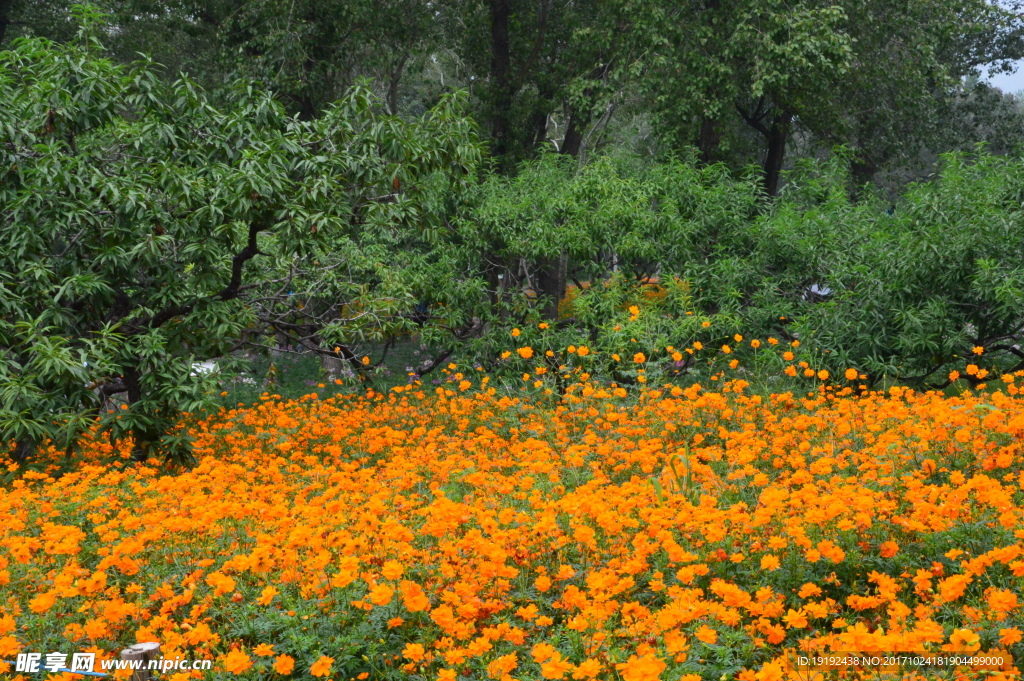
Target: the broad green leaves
(143, 229)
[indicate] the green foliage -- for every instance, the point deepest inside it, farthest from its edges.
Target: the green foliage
(144, 229)
(901, 295)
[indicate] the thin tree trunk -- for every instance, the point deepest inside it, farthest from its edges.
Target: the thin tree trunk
(500, 61)
(551, 283)
(538, 133)
(144, 437)
(573, 136)
(5, 17)
(778, 134)
(396, 78)
(708, 139)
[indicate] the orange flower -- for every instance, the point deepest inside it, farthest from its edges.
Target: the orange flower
(267, 595)
(9, 646)
(237, 662)
(588, 669)
(646, 668)
(771, 671)
(706, 634)
(555, 669)
(809, 590)
(284, 664)
(322, 667)
(501, 666)
(1008, 637)
(795, 619)
(525, 353)
(414, 652)
(380, 594)
(413, 597)
(263, 650)
(42, 603)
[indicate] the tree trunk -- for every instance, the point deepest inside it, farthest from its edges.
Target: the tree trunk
(551, 283)
(23, 449)
(5, 17)
(144, 437)
(573, 136)
(708, 139)
(500, 61)
(776, 152)
(538, 132)
(396, 78)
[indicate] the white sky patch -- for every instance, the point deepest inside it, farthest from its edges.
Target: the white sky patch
(1007, 82)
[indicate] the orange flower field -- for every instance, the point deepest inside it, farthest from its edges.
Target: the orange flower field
(463, 534)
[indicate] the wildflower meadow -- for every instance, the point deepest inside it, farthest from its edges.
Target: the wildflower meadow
(471, 531)
(611, 340)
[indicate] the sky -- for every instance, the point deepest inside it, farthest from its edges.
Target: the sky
(1007, 82)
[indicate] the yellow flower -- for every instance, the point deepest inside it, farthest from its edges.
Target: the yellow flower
(639, 358)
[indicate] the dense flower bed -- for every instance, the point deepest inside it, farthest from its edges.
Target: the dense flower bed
(464, 534)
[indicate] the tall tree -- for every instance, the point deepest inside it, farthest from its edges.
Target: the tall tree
(864, 72)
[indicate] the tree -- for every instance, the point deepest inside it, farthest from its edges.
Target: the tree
(870, 74)
(143, 229)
